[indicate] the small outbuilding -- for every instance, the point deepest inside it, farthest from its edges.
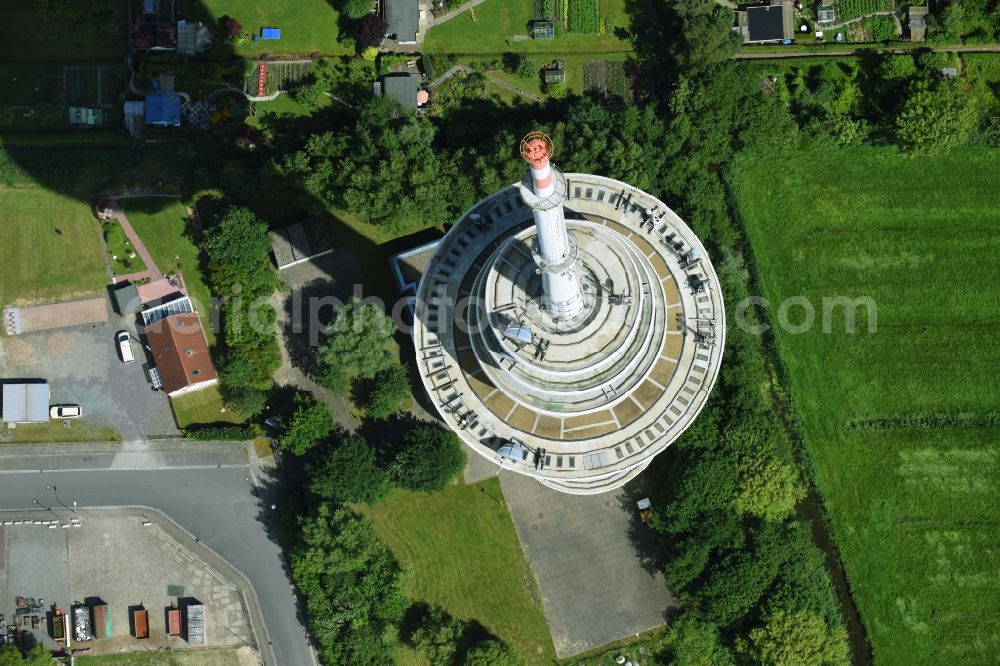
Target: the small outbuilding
(917, 23)
(554, 73)
(126, 298)
(193, 37)
(402, 88)
(85, 116)
(26, 402)
(163, 110)
(543, 30)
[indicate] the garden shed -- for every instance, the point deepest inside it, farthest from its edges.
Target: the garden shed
(26, 402)
(554, 73)
(543, 30)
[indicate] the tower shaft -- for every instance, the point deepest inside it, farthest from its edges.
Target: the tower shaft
(555, 254)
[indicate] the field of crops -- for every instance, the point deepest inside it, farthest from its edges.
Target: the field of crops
(901, 422)
(584, 16)
(851, 9)
(279, 76)
(607, 78)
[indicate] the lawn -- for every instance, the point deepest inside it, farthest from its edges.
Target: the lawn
(162, 226)
(901, 424)
(202, 407)
(69, 430)
(184, 657)
(51, 247)
(489, 28)
(31, 36)
(306, 26)
(461, 552)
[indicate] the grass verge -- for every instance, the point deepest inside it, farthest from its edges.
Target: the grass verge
(461, 553)
(202, 407)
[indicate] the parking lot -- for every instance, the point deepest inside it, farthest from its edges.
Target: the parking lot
(596, 587)
(82, 366)
(123, 562)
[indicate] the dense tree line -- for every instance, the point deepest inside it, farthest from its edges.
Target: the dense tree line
(240, 271)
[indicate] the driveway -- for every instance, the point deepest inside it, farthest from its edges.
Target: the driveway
(596, 588)
(82, 366)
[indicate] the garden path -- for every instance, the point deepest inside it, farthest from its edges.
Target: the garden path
(151, 272)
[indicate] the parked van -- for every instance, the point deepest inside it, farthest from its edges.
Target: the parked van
(125, 346)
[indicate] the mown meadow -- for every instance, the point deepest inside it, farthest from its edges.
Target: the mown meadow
(901, 423)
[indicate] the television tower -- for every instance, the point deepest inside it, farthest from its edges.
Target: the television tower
(555, 252)
(568, 327)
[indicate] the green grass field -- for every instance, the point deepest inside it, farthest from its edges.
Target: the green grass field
(489, 27)
(30, 36)
(462, 553)
(901, 424)
(306, 26)
(51, 248)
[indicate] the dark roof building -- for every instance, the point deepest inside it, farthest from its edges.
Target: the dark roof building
(180, 353)
(402, 88)
(127, 299)
(402, 20)
(299, 242)
(766, 23)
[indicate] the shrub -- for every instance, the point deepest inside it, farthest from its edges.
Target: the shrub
(369, 30)
(235, 433)
(492, 653)
(370, 53)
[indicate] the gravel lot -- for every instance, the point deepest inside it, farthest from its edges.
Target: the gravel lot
(82, 366)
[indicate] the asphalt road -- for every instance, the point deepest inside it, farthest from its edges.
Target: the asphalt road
(215, 505)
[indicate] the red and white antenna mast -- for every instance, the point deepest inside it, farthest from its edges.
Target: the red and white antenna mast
(556, 251)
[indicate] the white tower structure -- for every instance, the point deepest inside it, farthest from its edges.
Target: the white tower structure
(569, 327)
(555, 253)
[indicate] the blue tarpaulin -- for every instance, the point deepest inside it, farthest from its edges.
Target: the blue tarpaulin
(270, 33)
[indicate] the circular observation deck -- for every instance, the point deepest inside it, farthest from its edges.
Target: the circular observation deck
(584, 404)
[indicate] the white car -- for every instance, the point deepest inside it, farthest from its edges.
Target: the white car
(125, 346)
(65, 412)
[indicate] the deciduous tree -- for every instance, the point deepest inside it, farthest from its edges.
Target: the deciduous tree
(791, 638)
(430, 458)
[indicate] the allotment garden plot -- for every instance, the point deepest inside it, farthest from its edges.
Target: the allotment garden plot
(90, 86)
(902, 422)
